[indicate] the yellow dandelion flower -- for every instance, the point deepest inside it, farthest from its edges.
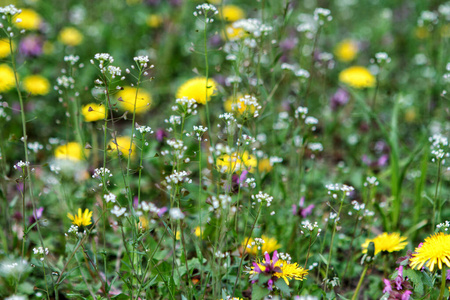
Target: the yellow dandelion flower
(36, 85)
(81, 219)
(198, 231)
(7, 80)
(264, 165)
(94, 112)
(389, 242)
(233, 34)
(238, 105)
(5, 50)
(346, 50)
(232, 13)
(128, 99)
(357, 77)
(269, 245)
(31, 20)
(154, 21)
(290, 271)
(143, 223)
(70, 151)
(70, 36)
(124, 145)
(434, 251)
(236, 163)
(196, 89)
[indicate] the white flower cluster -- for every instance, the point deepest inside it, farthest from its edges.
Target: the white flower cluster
(177, 178)
(118, 211)
(258, 242)
(322, 15)
(101, 173)
(149, 207)
(443, 226)
(332, 188)
(301, 112)
(41, 251)
(251, 182)
(246, 139)
(199, 131)
(174, 120)
(71, 59)
(361, 207)
(145, 129)
(206, 10)
(250, 102)
(64, 81)
(188, 106)
(73, 229)
(284, 256)
(222, 201)
(10, 10)
(372, 181)
(114, 71)
(253, 26)
(299, 72)
(21, 165)
(220, 254)
(283, 121)
(315, 147)
(178, 147)
(382, 58)
(444, 10)
(260, 197)
(427, 17)
(310, 226)
(142, 61)
(110, 198)
(439, 147)
(228, 118)
(176, 213)
(103, 57)
(35, 147)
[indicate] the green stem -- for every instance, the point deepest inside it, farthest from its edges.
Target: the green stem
(361, 279)
(332, 238)
(437, 202)
(443, 279)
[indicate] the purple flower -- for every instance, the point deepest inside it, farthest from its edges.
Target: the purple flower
(36, 215)
(387, 286)
(406, 295)
(31, 46)
(160, 135)
(340, 98)
(448, 275)
(162, 211)
(301, 210)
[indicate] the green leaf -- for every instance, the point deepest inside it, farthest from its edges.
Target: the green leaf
(284, 288)
(416, 279)
(259, 292)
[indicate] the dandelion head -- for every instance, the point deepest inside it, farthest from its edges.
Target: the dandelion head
(260, 246)
(29, 19)
(346, 50)
(123, 145)
(435, 250)
(7, 80)
(232, 13)
(93, 112)
(71, 151)
(4, 48)
(82, 218)
(130, 99)
(198, 89)
(70, 36)
(357, 77)
(36, 85)
(236, 163)
(386, 242)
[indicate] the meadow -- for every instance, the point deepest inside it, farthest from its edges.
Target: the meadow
(227, 150)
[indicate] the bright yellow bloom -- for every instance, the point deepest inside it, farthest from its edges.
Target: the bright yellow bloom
(236, 163)
(129, 99)
(70, 151)
(269, 245)
(123, 143)
(7, 80)
(346, 50)
(232, 13)
(5, 51)
(357, 77)
(389, 242)
(143, 223)
(234, 34)
(196, 89)
(70, 36)
(154, 20)
(288, 272)
(434, 251)
(94, 112)
(82, 219)
(264, 165)
(36, 85)
(238, 106)
(198, 231)
(31, 20)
